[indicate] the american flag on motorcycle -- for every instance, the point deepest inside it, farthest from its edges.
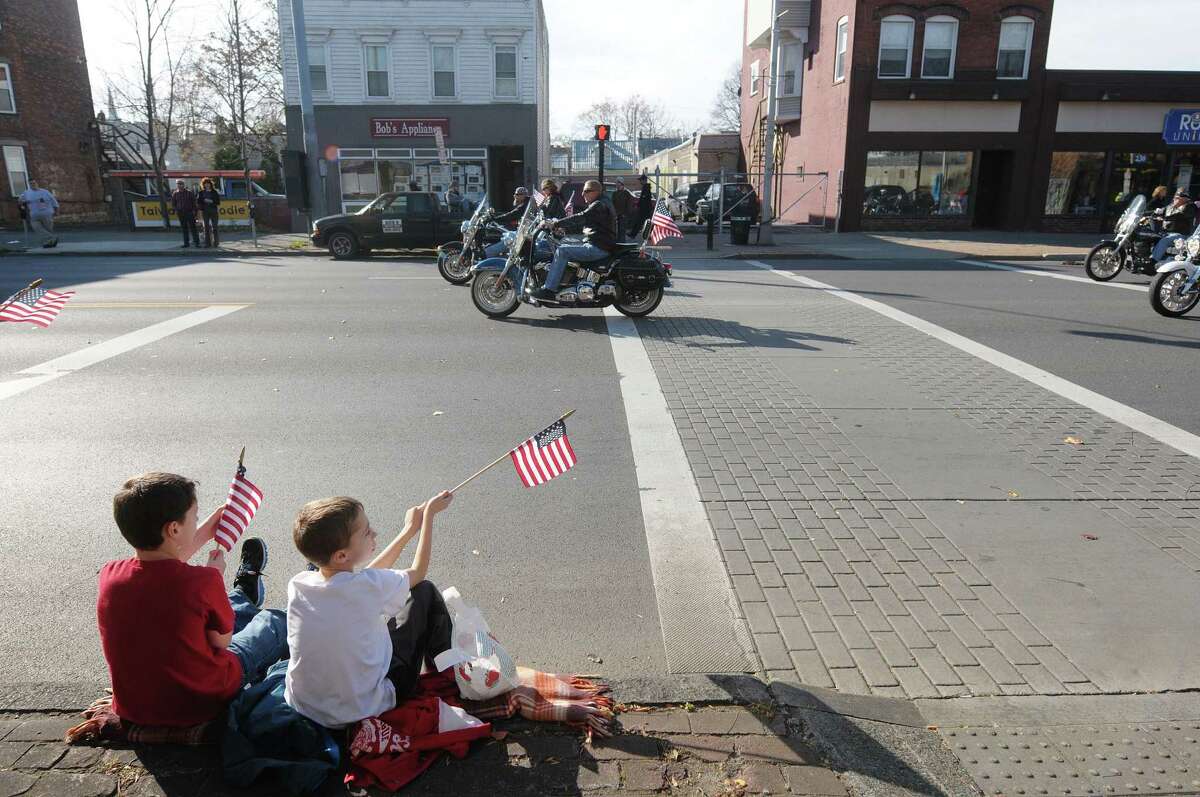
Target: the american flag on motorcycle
(539, 198)
(662, 225)
(545, 455)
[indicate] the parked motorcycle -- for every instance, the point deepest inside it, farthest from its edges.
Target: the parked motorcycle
(456, 257)
(1176, 289)
(1132, 247)
(631, 278)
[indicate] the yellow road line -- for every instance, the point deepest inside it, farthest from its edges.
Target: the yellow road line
(144, 305)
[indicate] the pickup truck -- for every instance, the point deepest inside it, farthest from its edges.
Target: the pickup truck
(409, 220)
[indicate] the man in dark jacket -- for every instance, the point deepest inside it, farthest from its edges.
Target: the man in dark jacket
(183, 202)
(512, 218)
(209, 200)
(1179, 219)
(598, 223)
(554, 207)
(623, 203)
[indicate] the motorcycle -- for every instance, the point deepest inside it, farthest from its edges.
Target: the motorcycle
(1132, 248)
(455, 258)
(1176, 289)
(631, 278)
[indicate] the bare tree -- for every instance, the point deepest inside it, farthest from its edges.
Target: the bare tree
(726, 111)
(154, 97)
(632, 117)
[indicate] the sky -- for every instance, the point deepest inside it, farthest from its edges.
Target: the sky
(677, 52)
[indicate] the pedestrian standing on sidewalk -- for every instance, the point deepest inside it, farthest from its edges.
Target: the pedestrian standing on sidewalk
(183, 202)
(645, 206)
(209, 200)
(40, 205)
(622, 201)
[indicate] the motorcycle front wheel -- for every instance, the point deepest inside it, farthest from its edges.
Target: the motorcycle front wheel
(639, 303)
(493, 297)
(1104, 262)
(1166, 297)
(452, 265)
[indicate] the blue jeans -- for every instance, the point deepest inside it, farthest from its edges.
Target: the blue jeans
(259, 636)
(579, 253)
(1160, 248)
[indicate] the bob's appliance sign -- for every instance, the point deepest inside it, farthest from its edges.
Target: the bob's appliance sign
(409, 128)
(1182, 126)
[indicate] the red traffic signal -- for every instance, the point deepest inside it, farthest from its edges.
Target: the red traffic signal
(603, 132)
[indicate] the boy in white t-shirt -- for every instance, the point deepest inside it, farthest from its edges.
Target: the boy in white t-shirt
(358, 639)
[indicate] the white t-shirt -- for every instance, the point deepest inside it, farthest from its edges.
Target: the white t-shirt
(340, 647)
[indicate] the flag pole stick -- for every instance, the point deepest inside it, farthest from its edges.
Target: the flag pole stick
(242, 456)
(500, 459)
(28, 287)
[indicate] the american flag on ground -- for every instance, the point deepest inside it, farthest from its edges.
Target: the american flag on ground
(662, 225)
(243, 501)
(545, 455)
(35, 305)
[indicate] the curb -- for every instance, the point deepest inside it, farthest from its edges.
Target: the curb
(218, 255)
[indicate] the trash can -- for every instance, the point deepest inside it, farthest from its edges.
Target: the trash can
(739, 230)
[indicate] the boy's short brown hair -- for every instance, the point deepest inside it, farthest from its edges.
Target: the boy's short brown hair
(324, 527)
(148, 502)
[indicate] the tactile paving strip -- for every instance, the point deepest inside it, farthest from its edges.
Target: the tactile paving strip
(1073, 760)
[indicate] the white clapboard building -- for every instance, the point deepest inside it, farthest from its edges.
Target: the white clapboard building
(386, 74)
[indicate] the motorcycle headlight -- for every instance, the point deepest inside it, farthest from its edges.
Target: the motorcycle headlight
(1193, 247)
(463, 227)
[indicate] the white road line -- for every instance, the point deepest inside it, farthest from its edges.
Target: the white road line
(1052, 275)
(701, 623)
(70, 363)
(1137, 420)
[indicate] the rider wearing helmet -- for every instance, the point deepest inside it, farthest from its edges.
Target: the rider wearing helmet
(598, 223)
(1179, 219)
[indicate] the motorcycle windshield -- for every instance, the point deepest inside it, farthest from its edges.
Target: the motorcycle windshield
(524, 231)
(469, 228)
(1129, 219)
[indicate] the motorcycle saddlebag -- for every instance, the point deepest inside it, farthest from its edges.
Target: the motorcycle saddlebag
(639, 273)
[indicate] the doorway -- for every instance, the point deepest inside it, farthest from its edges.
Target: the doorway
(993, 189)
(507, 166)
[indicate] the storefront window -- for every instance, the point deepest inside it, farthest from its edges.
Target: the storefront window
(931, 183)
(1186, 173)
(1074, 187)
(395, 175)
(1133, 173)
(359, 181)
(366, 173)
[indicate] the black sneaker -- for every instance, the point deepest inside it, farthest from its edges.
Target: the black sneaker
(250, 571)
(545, 295)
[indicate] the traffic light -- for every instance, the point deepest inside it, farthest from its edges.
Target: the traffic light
(603, 132)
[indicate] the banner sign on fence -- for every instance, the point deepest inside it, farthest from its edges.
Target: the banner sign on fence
(1182, 127)
(233, 213)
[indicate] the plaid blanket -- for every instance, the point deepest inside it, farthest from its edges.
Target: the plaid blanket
(545, 697)
(102, 723)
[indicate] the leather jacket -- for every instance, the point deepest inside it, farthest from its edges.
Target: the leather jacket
(598, 223)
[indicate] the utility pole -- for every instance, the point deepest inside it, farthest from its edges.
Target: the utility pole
(316, 196)
(765, 232)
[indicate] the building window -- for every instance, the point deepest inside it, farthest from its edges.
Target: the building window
(443, 71)
(318, 68)
(7, 103)
(1132, 173)
(1074, 187)
(843, 42)
(791, 55)
(1186, 173)
(506, 70)
(941, 43)
(1016, 40)
(755, 79)
(929, 183)
(895, 47)
(18, 173)
(378, 79)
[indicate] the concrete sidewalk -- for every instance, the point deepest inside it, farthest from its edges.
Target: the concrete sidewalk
(83, 242)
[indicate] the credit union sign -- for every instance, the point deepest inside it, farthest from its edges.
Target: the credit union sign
(1182, 127)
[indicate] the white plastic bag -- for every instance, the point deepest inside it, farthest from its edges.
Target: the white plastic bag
(482, 667)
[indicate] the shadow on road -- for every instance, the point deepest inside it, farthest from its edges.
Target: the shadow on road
(1180, 344)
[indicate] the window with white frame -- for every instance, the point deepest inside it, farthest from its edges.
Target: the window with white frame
(755, 79)
(18, 172)
(444, 69)
(375, 57)
(842, 43)
(895, 47)
(318, 68)
(791, 56)
(941, 45)
(1016, 41)
(7, 103)
(505, 60)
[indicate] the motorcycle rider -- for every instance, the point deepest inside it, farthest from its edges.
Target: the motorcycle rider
(1178, 221)
(554, 207)
(598, 222)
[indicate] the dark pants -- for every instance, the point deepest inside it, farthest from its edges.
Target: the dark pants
(622, 222)
(419, 633)
(210, 230)
(188, 222)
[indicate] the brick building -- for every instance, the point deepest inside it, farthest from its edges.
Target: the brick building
(47, 127)
(942, 115)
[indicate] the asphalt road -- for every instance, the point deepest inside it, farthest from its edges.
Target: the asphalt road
(371, 379)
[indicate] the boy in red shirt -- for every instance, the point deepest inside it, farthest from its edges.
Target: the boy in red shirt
(178, 649)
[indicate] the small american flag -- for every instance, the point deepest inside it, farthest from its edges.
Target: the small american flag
(545, 455)
(243, 501)
(662, 225)
(35, 305)
(539, 198)
(570, 207)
